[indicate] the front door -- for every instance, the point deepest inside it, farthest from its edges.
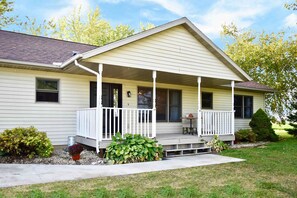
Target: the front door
(111, 97)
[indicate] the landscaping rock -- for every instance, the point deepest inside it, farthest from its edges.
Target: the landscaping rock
(59, 157)
(248, 145)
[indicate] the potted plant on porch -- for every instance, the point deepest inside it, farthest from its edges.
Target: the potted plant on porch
(75, 151)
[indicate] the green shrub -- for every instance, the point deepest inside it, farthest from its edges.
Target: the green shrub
(262, 127)
(216, 144)
(133, 148)
(245, 135)
(25, 142)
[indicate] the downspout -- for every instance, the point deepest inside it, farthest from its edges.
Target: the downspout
(97, 105)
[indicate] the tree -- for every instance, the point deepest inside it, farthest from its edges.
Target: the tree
(292, 118)
(74, 27)
(291, 6)
(6, 7)
(269, 59)
(146, 26)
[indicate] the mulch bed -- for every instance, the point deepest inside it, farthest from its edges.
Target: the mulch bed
(59, 157)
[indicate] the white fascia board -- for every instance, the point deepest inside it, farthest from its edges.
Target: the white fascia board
(40, 65)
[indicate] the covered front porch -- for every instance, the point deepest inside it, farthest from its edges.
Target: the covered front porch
(97, 125)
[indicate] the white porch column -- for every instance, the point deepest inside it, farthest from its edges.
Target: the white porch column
(232, 108)
(99, 120)
(199, 107)
(154, 118)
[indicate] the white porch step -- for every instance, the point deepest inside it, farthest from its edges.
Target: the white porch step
(185, 149)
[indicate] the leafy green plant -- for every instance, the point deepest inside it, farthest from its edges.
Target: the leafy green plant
(133, 148)
(217, 145)
(25, 142)
(262, 127)
(245, 135)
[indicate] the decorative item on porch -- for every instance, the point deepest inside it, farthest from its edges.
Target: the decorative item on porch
(190, 116)
(75, 151)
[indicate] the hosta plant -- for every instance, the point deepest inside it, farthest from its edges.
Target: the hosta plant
(133, 148)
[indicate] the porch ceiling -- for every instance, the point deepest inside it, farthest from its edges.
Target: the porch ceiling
(119, 72)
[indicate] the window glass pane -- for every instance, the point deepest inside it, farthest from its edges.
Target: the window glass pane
(238, 112)
(238, 106)
(174, 105)
(248, 112)
(144, 98)
(161, 104)
(248, 106)
(206, 100)
(237, 100)
(47, 97)
(47, 84)
(248, 101)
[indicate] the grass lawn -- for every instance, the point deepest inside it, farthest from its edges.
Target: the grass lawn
(270, 171)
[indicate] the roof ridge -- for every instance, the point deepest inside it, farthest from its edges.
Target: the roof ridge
(45, 37)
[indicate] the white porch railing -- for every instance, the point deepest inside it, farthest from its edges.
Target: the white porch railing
(124, 120)
(86, 123)
(216, 122)
(139, 121)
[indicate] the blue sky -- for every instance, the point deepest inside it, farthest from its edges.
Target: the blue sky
(207, 15)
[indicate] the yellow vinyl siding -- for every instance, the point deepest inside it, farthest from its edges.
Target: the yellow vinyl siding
(174, 50)
(18, 106)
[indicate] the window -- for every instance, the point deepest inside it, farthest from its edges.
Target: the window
(47, 90)
(206, 100)
(168, 103)
(243, 106)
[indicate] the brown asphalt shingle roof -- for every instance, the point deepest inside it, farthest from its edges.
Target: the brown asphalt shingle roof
(253, 85)
(24, 47)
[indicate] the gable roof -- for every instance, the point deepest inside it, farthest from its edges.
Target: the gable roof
(203, 39)
(36, 49)
(22, 48)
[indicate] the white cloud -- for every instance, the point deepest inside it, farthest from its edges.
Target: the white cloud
(112, 1)
(242, 13)
(174, 6)
(68, 7)
(177, 7)
(291, 20)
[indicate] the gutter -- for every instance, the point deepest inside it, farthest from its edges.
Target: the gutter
(85, 68)
(41, 65)
(98, 105)
(70, 60)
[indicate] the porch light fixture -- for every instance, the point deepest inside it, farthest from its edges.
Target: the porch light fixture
(129, 94)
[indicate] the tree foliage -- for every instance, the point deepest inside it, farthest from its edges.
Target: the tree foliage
(92, 29)
(269, 59)
(291, 6)
(6, 7)
(292, 118)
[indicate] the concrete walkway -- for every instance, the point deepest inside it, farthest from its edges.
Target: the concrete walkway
(23, 174)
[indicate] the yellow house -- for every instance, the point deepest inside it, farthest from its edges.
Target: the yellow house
(170, 83)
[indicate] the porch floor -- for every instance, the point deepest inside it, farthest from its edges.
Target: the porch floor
(164, 139)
